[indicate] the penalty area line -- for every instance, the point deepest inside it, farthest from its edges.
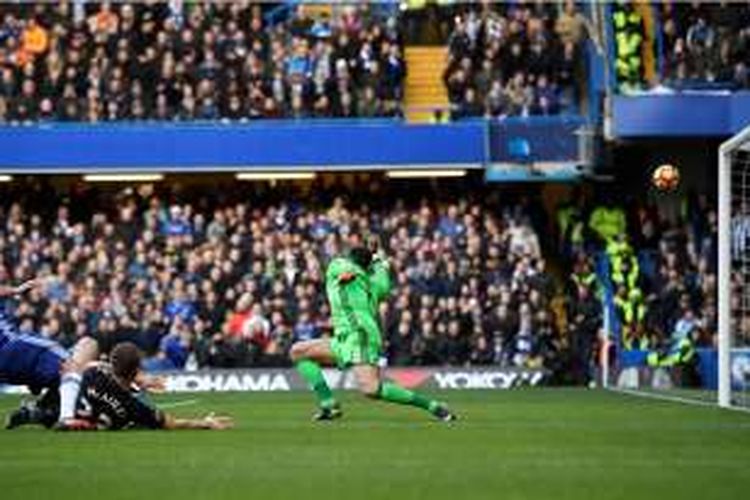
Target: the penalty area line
(177, 404)
(676, 399)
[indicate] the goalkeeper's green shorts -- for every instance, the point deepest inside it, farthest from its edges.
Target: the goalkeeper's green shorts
(357, 349)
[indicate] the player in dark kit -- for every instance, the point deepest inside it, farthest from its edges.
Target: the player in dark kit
(107, 400)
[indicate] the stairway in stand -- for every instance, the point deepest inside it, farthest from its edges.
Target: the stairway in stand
(424, 82)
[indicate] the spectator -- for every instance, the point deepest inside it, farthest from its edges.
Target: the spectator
(585, 315)
(519, 95)
(571, 26)
(180, 306)
(470, 107)
(704, 46)
(305, 329)
(401, 345)
(35, 39)
(174, 350)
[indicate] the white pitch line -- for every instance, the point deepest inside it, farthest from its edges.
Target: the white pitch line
(676, 399)
(177, 404)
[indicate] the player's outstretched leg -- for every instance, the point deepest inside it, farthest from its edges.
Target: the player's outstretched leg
(84, 352)
(308, 357)
(372, 385)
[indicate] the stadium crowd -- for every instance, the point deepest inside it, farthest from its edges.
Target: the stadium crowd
(661, 267)
(695, 45)
(78, 61)
(233, 279)
(705, 43)
(514, 59)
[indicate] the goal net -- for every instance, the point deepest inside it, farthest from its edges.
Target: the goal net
(734, 272)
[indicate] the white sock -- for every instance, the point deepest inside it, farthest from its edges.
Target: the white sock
(70, 385)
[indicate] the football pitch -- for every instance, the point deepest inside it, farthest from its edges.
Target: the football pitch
(536, 443)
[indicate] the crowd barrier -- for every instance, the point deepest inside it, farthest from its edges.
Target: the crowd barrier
(681, 114)
(285, 144)
(708, 366)
(287, 379)
(272, 380)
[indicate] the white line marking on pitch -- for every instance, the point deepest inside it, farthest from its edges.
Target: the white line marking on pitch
(676, 399)
(176, 404)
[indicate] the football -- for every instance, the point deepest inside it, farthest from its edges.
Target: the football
(665, 177)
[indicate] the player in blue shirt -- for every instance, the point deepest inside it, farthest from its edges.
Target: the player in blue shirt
(41, 364)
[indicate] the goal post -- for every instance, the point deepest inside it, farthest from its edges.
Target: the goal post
(733, 203)
(724, 341)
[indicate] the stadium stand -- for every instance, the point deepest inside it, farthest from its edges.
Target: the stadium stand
(514, 59)
(673, 46)
(193, 61)
(704, 44)
(231, 281)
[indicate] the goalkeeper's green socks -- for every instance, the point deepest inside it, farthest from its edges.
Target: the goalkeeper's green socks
(311, 372)
(394, 393)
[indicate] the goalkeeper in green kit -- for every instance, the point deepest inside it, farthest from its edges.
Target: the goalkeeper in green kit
(355, 284)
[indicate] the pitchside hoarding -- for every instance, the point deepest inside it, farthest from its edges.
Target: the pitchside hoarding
(635, 374)
(740, 369)
(360, 144)
(270, 380)
(274, 380)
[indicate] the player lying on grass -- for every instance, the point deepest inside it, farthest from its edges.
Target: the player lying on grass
(108, 401)
(355, 284)
(41, 364)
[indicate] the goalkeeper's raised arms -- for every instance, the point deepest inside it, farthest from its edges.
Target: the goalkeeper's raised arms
(374, 244)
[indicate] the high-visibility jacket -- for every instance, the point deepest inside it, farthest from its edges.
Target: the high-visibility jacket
(629, 279)
(631, 310)
(565, 217)
(631, 343)
(570, 223)
(628, 40)
(608, 222)
(680, 352)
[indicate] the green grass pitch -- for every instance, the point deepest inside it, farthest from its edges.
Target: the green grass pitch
(540, 443)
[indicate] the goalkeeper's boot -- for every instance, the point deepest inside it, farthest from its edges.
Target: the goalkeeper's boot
(328, 412)
(443, 413)
(26, 414)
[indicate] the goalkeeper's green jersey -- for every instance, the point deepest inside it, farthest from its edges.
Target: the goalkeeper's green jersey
(354, 294)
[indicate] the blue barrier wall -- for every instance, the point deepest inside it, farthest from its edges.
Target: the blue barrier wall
(74, 147)
(364, 144)
(739, 368)
(699, 114)
(708, 366)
